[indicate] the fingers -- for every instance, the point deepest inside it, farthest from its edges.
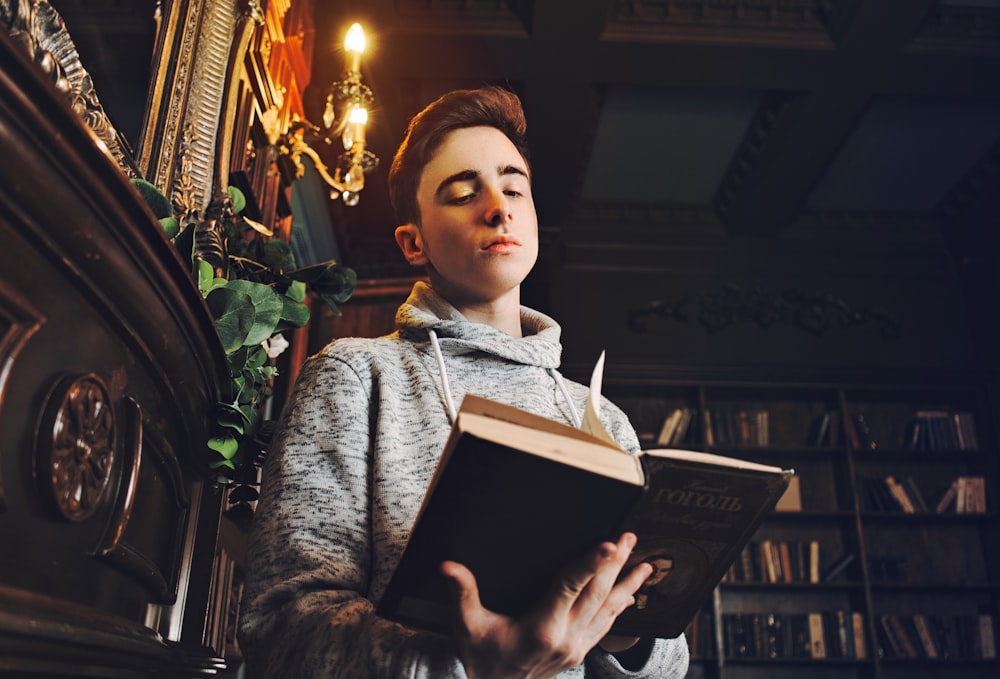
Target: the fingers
(577, 577)
(588, 589)
(608, 595)
(463, 586)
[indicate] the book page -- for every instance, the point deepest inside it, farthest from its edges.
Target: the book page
(712, 459)
(591, 422)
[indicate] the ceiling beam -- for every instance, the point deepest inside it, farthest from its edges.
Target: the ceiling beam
(557, 80)
(764, 191)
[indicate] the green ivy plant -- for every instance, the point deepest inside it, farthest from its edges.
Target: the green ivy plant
(255, 293)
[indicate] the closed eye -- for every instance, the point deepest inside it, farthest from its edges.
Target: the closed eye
(461, 200)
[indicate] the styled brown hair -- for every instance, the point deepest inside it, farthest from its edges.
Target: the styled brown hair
(484, 107)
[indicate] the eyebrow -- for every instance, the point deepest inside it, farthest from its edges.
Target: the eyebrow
(471, 175)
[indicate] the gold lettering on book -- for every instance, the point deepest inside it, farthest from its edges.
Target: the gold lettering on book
(699, 495)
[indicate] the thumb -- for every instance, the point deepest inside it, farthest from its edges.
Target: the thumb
(464, 589)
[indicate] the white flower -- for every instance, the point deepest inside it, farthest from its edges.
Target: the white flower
(275, 345)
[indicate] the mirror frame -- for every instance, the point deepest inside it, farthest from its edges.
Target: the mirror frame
(185, 142)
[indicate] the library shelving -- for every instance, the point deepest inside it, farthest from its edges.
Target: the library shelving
(882, 561)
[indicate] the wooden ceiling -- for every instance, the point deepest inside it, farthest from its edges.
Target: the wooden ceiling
(743, 117)
(752, 116)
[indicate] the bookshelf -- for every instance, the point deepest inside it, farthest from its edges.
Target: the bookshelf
(877, 569)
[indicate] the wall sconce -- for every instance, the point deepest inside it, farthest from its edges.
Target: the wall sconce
(346, 117)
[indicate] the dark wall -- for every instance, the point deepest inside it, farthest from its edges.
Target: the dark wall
(840, 301)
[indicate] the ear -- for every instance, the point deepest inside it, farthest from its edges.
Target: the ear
(411, 242)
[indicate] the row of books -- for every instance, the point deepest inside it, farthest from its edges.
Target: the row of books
(927, 430)
(820, 634)
(719, 427)
(842, 634)
(965, 495)
(941, 430)
(785, 561)
(772, 561)
(700, 635)
(677, 428)
(946, 637)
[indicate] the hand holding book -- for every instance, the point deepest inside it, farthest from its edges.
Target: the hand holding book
(556, 635)
(517, 498)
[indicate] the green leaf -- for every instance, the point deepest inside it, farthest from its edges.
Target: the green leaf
(337, 282)
(296, 291)
(257, 226)
(171, 227)
(223, 463)
(156, 201)
(184, 242)
(238, 199)
(267, 306)
(334, 284)
(234, 316)
(206, 276)
(226, 446)
(294, 313)
(277, 255)
(238, 360)
(233, 418)
(256, 357)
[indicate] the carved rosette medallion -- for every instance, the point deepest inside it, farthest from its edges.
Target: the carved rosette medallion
(76, 446)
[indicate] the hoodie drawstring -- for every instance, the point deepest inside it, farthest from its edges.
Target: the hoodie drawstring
(450, 403)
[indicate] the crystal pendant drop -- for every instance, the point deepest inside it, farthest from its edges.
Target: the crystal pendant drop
(328, 114)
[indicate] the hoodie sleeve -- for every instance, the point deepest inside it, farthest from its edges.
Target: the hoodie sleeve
(668, 659)
(304, 611)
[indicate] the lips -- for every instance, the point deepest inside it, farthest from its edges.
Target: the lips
(502, 244)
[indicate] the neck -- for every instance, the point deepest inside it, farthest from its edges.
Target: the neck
(503, 313)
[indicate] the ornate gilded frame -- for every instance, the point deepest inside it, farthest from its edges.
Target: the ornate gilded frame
(184, 145)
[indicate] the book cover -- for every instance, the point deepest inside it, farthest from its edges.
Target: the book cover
(516, 498)
(817, 636)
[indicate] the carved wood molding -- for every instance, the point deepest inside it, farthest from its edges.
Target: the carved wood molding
(970, 186)
(141, 445)
(19, 320)
(76, 449)
(768, 121)
(41, 33)
(815, 313)
(185, 147)
(959, 29)
(789, 22)
(89, 459)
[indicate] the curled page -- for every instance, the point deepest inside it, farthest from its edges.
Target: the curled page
(591, 414)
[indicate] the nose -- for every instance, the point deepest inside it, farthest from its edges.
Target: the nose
(498, 212)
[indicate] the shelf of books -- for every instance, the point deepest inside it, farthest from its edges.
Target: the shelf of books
(881, 561)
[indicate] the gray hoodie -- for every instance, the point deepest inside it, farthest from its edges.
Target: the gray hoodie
(359, 441)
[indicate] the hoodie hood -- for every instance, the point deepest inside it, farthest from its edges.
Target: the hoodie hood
(425, 310)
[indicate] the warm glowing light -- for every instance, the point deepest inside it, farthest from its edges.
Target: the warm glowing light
(346, 114)
(354, 43)
(359, 114)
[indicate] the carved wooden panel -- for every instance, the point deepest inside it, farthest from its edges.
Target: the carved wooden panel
(146, 544)
(76, 447)
(103, 412)
(19, 319)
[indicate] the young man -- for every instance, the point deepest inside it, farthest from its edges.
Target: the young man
(368, 418)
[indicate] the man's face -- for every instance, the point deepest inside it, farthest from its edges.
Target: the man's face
(479, 232)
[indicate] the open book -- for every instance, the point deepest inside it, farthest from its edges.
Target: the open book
(517, 497)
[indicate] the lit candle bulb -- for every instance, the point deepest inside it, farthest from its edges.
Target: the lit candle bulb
(354, 44)
(357, 121)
